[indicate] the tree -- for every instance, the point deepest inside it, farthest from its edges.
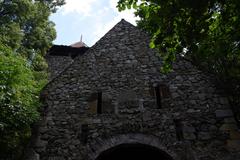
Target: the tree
(25, 35)
(204, 31)
(18, 100)
(25, 26)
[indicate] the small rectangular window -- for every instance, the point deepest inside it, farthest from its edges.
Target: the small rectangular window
(161, 93)
(99, 103)
(164, 91)
(158, 97)
(84, 133)
(152, 91)
(92, 103)
(179, 129)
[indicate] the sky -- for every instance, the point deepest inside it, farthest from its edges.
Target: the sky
(89, 18)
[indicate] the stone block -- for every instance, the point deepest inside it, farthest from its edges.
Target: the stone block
(224, 101)
(202, 96)
(233, 145)
(193, 102)
(147, 116)
(204, 136)
(224, 113)
(189, 136)
(31, 155)
(175, 95)
(43, 129)
(193, 110)
(228, 127)
(55, 158)
(213, 128)
(229, 120)
(40, 143)
(40, 146)
(234, 135)
(188, 129)
(127, 95)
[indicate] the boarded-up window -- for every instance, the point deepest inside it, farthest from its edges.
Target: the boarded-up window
(99, 103)
(92, 103)
(95, 103)
(164, 91)
(160, 92)
(151, 91)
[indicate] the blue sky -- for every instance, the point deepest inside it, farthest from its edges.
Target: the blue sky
(89, 18)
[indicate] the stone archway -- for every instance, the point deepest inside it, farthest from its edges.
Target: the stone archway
(102, 148)
(134, 151)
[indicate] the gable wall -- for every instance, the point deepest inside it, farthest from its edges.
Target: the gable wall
(124, 68)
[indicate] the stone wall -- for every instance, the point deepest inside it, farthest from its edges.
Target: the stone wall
(194, 122)
(59, 57)
(57, 64)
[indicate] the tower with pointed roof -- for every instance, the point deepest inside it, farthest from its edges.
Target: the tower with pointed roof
(60, 56)
(112, 102)
(79, 44)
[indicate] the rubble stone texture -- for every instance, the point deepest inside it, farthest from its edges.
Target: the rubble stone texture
(195, 121)
(56, 64)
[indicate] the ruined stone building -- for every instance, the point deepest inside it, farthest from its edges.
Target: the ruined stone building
(111, 101)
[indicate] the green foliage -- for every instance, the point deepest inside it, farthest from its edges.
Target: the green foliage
(25, 35)
(18, 99)
(25, 26)
(204, 31)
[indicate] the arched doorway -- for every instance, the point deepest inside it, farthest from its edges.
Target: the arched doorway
(134, 151)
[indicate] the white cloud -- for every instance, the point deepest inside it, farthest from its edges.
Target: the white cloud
(102, 28)
(82, 7)
(113, 4)
(127, 14)
(101, 15)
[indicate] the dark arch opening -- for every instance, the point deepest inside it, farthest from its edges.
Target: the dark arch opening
(134, 152)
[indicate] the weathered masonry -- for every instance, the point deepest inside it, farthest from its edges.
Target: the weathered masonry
(112, 102)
